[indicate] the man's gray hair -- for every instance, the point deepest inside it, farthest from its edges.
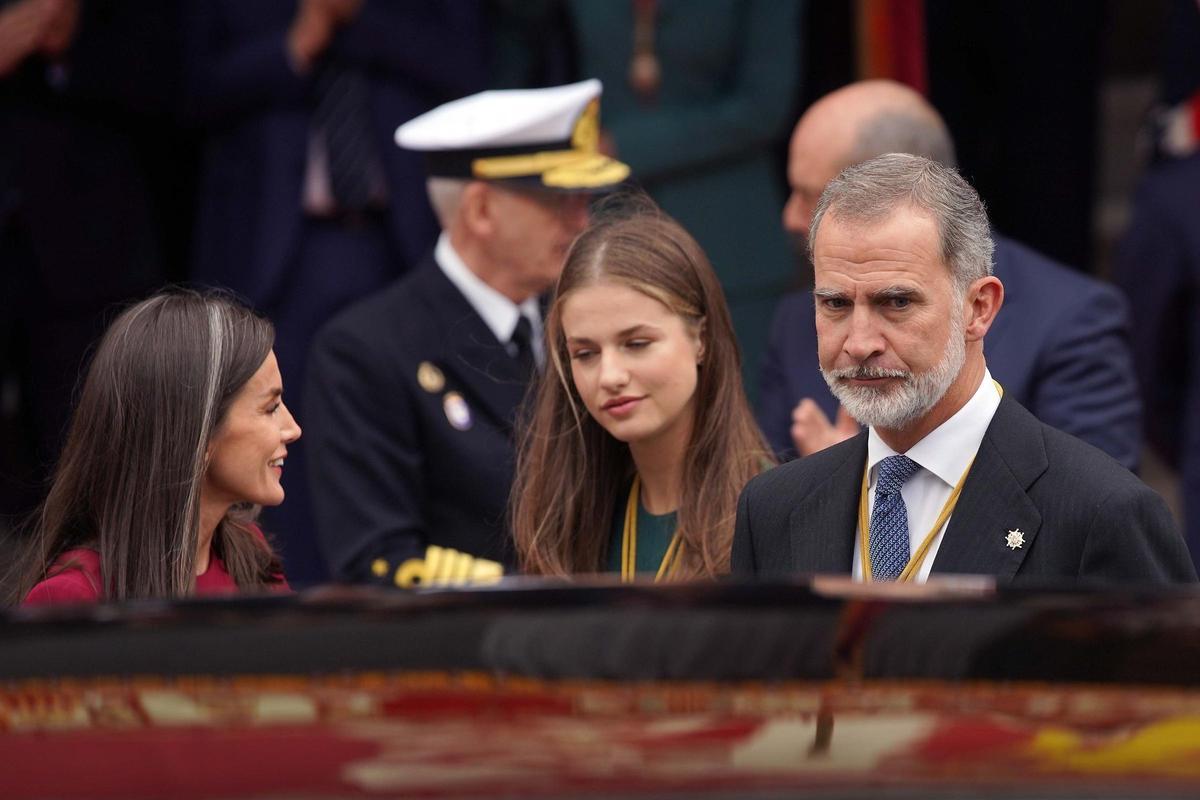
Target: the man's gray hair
(904, 131)
(445, 195)
(872, 191)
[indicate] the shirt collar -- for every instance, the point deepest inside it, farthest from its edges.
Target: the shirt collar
(948, 449)
(498, 312)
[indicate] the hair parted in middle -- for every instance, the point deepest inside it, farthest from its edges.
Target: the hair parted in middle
(570, 471)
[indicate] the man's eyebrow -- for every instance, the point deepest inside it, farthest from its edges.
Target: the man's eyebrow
(896, 293)
(828, 294)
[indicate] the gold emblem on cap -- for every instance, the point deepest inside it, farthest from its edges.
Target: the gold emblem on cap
(580, 167)
(586, 173)
(430, 377)
(457, 411)
(586, 135)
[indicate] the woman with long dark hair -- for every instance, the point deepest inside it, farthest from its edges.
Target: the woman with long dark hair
(179, 435)
(640, 436)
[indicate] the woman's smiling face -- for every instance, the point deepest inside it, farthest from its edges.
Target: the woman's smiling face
(245, 456)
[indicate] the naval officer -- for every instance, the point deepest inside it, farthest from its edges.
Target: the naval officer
(412, 393)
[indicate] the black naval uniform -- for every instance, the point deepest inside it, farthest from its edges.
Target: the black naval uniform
(410, 405)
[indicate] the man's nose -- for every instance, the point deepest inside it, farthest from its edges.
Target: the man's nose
(863, 338)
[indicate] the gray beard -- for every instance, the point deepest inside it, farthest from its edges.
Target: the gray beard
(899, 406)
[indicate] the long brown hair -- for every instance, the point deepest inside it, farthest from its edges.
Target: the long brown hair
(128, 481)
(571, 472)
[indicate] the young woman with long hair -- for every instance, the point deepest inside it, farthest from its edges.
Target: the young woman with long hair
(640, 436)
(178, 437)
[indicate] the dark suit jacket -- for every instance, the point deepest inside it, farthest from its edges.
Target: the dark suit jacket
(1059, 347)
(1082, 514)
(257, 112)
(1158, 265)
(389, 473)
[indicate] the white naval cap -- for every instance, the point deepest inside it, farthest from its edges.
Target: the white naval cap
(541, 136)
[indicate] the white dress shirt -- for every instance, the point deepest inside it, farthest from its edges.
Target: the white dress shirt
(943, 456)
(498, 312)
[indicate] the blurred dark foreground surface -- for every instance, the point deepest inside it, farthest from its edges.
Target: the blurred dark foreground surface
(820, 688)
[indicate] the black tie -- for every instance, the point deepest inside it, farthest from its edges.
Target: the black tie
(522, 337)
(343, 116)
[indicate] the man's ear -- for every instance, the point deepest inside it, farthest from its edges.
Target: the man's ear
(477, 209)
(984, 298)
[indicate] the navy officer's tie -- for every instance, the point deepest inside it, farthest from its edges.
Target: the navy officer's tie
(522, 340)
(889, 519)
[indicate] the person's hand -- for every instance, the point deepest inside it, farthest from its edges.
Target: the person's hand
(342, 11)
(60, 27)
(313, 27)
(23, 27)
(812, 431)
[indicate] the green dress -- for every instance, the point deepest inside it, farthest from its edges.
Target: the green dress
(654, 533)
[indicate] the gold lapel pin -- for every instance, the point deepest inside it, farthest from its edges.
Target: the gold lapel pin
(430, 377)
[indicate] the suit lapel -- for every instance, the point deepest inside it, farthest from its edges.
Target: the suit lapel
(994, 501)
(823, 523)
(469, 352)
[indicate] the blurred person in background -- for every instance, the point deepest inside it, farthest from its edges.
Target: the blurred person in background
(305, 206)
(95, 202)
(1158, 265)
(698, 94)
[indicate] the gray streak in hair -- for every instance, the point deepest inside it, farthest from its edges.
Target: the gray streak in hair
(128, 481)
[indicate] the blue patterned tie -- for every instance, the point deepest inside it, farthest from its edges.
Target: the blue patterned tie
(889, 519)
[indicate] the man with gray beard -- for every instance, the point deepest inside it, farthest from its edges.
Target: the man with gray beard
(1060, 346)
(951, 476)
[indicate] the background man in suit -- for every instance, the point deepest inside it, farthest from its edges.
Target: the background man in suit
(304, 204)
(952, 474)
(412, 393)
(94, 181)
(1059, 347)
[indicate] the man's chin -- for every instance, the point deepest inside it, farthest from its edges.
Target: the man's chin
(882, 406)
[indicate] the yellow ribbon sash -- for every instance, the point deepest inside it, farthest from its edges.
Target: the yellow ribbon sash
(918, 557)
(670, 562)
